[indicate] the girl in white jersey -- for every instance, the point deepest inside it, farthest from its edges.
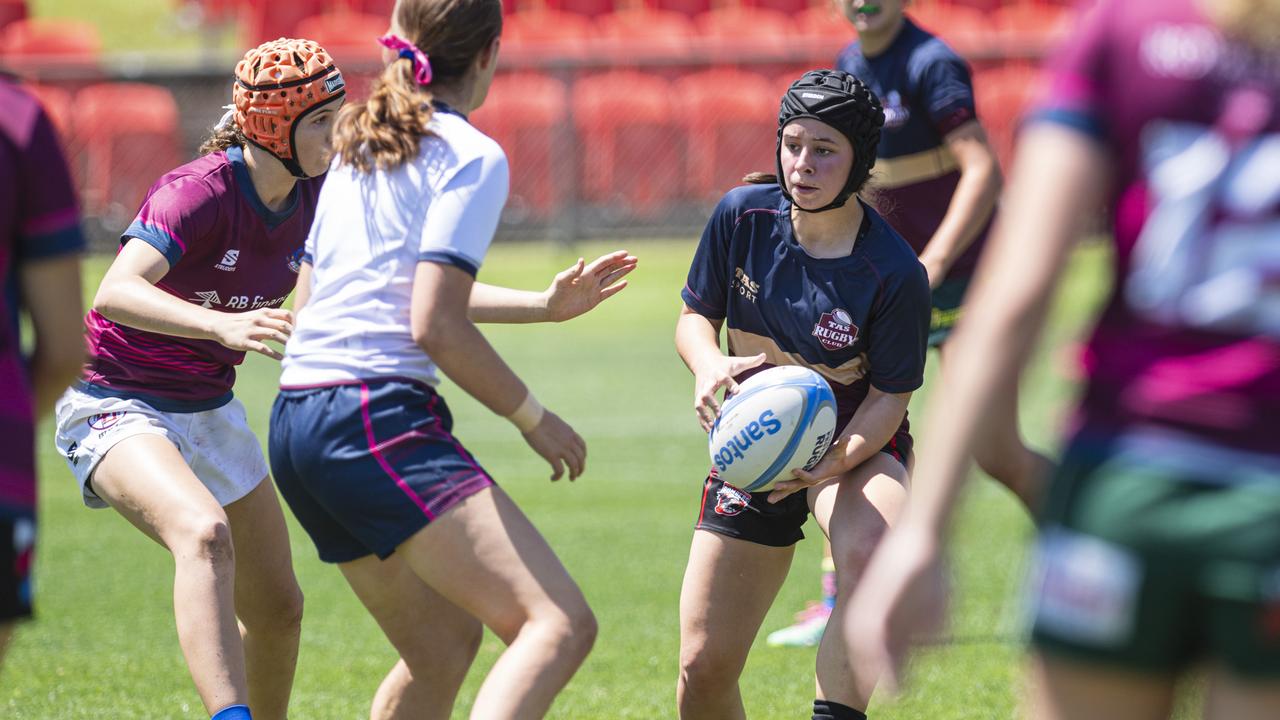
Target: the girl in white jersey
(361, 443)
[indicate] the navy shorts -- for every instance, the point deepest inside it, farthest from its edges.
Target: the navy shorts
(17, 554)
(735, 513)
(364, 466)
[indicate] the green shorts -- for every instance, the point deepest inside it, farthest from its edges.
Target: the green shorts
(947, 299)
(1159, 551)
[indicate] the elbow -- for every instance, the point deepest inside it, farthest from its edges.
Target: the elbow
(432, 334)
(106, 302)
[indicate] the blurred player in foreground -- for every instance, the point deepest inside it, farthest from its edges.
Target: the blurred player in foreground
(1160, 547)
(362, 444)
(40, 244)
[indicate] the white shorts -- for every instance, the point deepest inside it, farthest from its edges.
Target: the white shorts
(217, 444)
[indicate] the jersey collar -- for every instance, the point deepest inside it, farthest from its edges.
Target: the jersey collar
(235, 156)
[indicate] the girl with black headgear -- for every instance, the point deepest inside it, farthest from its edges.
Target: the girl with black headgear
(801, 272)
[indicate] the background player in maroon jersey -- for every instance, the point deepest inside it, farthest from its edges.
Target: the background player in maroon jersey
(40, 243)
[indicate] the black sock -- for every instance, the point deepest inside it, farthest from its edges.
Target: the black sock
(830, 710)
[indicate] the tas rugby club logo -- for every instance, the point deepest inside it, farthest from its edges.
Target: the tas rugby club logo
(835, 330)
(731, 501)
(228, 263)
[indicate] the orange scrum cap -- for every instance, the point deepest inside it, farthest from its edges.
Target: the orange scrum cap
(277, 83)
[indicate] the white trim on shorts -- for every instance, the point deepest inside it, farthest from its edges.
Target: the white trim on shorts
(216, 444)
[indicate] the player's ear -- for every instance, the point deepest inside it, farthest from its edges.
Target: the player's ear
(489, 55)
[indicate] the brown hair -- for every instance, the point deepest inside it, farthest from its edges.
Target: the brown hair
(385, 131)
(224, 137)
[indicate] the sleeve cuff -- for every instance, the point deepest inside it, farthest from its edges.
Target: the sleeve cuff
(156, 238)
(447, 258)
(696, 304)
(897, 386)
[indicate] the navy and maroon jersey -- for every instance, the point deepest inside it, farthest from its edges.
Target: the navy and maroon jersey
(38, 220)
(927, 91)
(1190, 338)
(227, 251)
(861, 320)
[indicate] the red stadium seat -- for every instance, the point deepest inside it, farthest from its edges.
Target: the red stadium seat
(45, 41)
(1029, 29)
(12, 11)
(824, 31)
(691, 8)
(525, 113)
(790, 7)
(732, 119)
(57, 103)
(270, 19)
(128, 133)
(632, 142)
(733, 33)
(1002, 95)
(589, 8)
(966, 29)
(350, 38)
(546, 33)
(628, 35)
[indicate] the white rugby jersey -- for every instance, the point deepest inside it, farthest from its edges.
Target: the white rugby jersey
(370, 233)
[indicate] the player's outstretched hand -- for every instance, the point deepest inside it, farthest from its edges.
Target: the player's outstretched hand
(718, 372)
(559, 445)
(583, 286)
(900, 601)
(247, 331)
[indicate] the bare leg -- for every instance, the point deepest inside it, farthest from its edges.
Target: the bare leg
(1067, 690)
(1004, 456)
(855, 512)
(1233, 698)
(436, 639)
(485, 556)
(268, 600)
(723, 572)
(146, 480)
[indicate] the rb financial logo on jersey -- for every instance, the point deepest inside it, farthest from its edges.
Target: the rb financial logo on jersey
(835, 330)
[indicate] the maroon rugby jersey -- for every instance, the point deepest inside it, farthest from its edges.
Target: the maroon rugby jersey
(1190, 338)
(226, 251)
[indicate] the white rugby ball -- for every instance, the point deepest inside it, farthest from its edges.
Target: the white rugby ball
(779, 419)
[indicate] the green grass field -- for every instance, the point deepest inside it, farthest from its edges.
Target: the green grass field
(104, 644)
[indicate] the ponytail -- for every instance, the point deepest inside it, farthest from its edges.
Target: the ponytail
(386, 130)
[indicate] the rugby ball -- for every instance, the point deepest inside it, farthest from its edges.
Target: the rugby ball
(779, 419)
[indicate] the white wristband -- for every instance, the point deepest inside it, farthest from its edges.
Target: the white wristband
(528, 415)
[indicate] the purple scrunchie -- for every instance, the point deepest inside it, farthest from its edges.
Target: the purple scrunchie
(421, 66)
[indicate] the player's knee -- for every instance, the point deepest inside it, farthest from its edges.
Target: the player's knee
(851, 559)
(705, 672)
(206, 537)
(445, 655)
(287, 609)
(575, 630)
